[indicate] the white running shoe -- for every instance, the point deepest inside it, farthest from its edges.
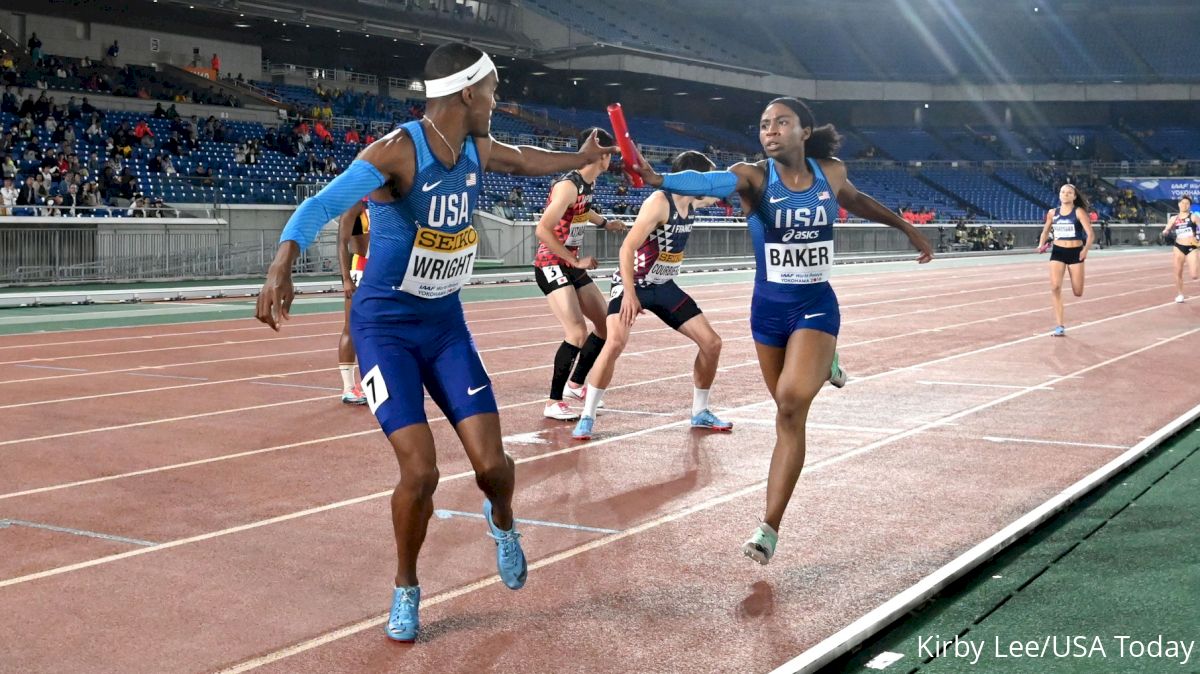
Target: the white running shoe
(1179, 298)
(561, 411)
(579, 394)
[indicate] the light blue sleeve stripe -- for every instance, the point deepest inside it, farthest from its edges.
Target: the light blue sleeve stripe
(357, 181)
(697, 184)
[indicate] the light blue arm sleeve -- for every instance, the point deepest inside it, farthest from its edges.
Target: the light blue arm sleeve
(357, 181)
(697, 184)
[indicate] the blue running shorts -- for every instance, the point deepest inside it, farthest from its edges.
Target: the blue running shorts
(774, 319)
(400, 358)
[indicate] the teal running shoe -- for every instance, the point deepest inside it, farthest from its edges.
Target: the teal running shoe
(710, 421)
(402, 622)
(583, 429)
(761, 546)
(837, 376)
(510, 558)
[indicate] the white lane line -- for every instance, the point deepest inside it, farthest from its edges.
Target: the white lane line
(74, 532)
(977, 384)
(991, 438)
(46, 367)
(138, 424)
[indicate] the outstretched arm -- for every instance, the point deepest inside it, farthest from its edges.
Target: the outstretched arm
(526, 160)
(868, 208)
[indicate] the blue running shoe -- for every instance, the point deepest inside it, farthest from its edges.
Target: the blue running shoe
(402, 622)
(1059, 331)
(583, 429)
(710, 421)
(510, 558)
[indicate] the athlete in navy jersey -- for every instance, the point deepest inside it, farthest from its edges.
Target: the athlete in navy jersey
(1185, 225)
(407, 321)
(791, 201)
(650, 260)
(1070, 228)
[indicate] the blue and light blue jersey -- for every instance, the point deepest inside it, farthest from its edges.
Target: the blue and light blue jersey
(792, 233)
(423, 246)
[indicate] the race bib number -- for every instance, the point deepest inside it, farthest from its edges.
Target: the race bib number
(440, 263)
(575, 234)
(374, 388)
(799, 263)
(358, 264)
(1183, 232)
(665, 268)
(1064, 230)
(554, 274)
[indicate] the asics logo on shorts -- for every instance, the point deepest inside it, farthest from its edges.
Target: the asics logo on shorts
(473, 391)
(427, 186)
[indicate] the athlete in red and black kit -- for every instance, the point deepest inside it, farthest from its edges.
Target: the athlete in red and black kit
(562, 275)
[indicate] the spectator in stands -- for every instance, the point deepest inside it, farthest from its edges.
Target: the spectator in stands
(370, 138)
(8, 196)
(352, 136)
(331, 165)
(216, 66)
(143, 133)
(110, 56)
(27, 107)
(204, 174)
(252, 152)
(621, 207)
(323, 133)
(35, 49)
(310, 164)
(516, 196)
(27, 195)
(9, 103)
(94, 132)
(174, 145)
(89, 198)
(8, 168)
(70, 200)
(139, 207)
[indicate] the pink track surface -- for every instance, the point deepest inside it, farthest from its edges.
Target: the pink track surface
(267, 507)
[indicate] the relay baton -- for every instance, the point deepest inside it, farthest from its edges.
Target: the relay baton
(621, 134)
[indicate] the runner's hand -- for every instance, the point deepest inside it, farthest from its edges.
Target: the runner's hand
(630, 307)
(275, 298)
(587, 262)
(348, 286)
(924, 250)
(644, 169)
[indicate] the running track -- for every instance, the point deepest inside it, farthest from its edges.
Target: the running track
(193, 497)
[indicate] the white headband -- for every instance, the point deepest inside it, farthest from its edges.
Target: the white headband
(452, 84)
